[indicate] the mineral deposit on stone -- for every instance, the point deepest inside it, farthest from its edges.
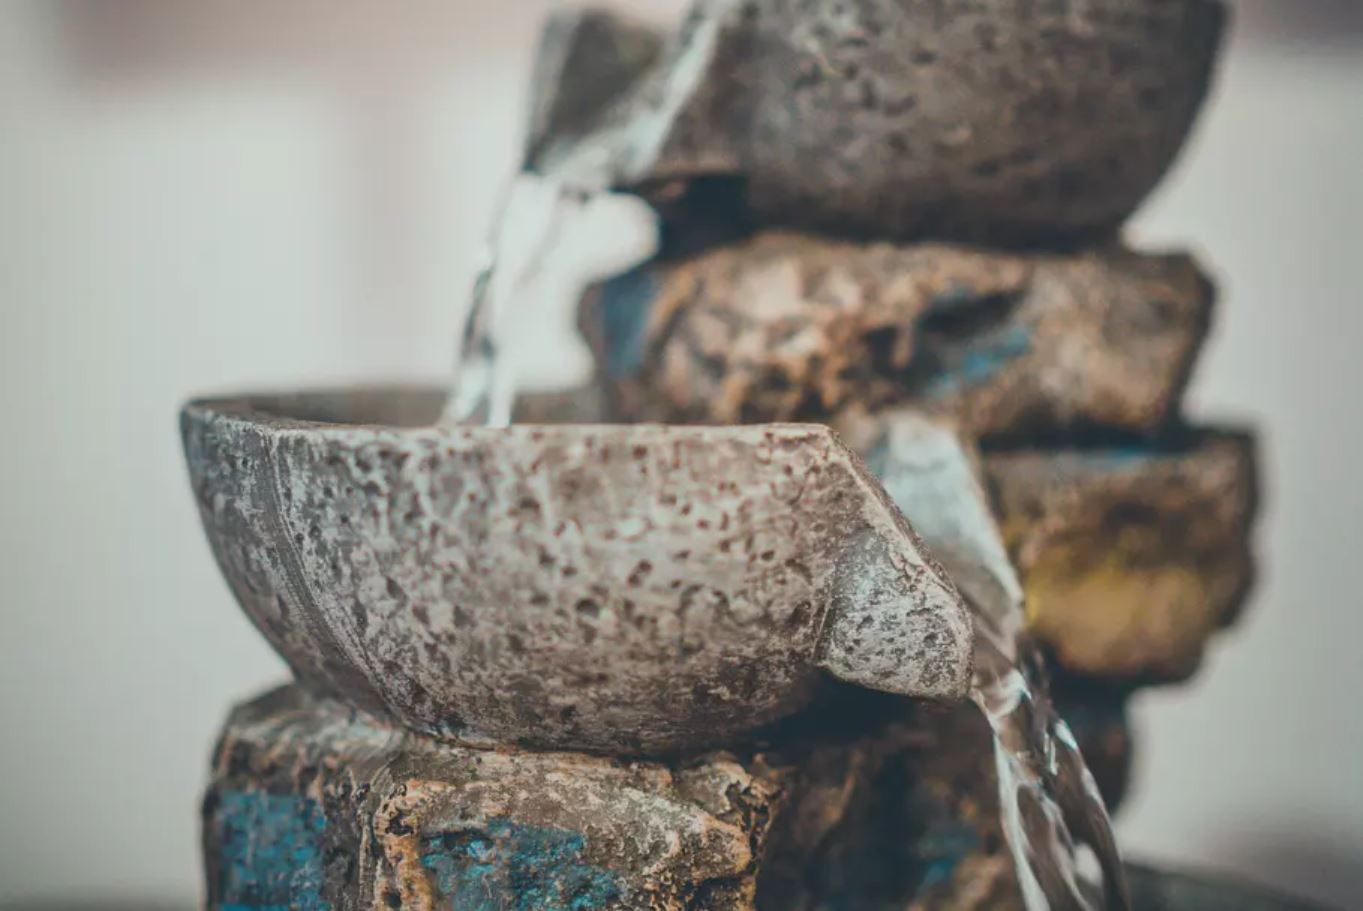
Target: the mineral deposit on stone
(867, 800)
(792, 327)
(1001, 121)
(1131, 557)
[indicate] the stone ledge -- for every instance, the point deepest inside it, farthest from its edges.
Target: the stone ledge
(789, 327)
(868, 799)
(1132, 557)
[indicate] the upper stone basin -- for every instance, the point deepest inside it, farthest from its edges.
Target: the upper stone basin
(636, 589)
(998, 121)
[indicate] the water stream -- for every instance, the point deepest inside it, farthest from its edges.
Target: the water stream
(529, 221)
(1053, 815)
(532, 213)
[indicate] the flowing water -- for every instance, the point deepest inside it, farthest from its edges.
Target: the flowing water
(529, 221)
(1051, 810)
(1052, 814)
(532, 214)
(1049, 803)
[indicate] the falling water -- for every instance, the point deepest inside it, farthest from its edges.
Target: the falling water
(1049, 803)
(535, 209)
(537, 204)
(1052, 813)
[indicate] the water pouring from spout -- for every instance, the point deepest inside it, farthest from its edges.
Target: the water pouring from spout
(1049, 802)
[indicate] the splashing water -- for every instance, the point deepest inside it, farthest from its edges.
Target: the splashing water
(1052, 813)
(1048, 800)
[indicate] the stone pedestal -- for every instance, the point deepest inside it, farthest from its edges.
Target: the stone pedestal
(868, 802)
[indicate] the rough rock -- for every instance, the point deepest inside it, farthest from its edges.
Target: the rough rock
(909, 819)
(785, 327)
(1000, 121)
(1131, 557)
(1133, 554)
(313, 807)
(867, 803)
(630, 590)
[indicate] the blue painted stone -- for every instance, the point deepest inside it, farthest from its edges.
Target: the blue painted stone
(1120, 458)
(270, 852)
(978, 361)
(942, 848)
(505, 866)
(625, 304)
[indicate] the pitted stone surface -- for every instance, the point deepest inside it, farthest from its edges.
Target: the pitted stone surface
(793, 327)
(622, 589)
(1131, 558)
(934, 474)
(1000, 120)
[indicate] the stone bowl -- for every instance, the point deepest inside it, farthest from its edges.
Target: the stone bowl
(1000, 121)
(631, 589)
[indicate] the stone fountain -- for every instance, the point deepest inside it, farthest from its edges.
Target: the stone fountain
(673, 641)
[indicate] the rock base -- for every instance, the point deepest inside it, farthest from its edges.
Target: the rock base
(882, 805)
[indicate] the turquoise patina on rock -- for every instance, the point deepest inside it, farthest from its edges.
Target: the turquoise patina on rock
(1121, 458)
(505, 866)
(977, 362)
(271, 858)
(626, 305)
(942, 847)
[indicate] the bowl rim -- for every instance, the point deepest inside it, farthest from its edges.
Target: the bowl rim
(269, 410)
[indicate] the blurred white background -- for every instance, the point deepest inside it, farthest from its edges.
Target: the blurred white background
(200, 196)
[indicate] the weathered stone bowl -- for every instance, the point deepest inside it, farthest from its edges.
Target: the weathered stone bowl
(1000, 121)
(625, 588)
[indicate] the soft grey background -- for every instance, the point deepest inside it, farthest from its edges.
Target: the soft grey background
(204, 195)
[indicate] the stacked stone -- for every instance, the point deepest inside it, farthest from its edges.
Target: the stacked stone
(969, 265)
(888, 229)
(1129, 525)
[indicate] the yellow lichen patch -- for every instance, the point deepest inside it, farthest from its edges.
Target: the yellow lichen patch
(1137, 607)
